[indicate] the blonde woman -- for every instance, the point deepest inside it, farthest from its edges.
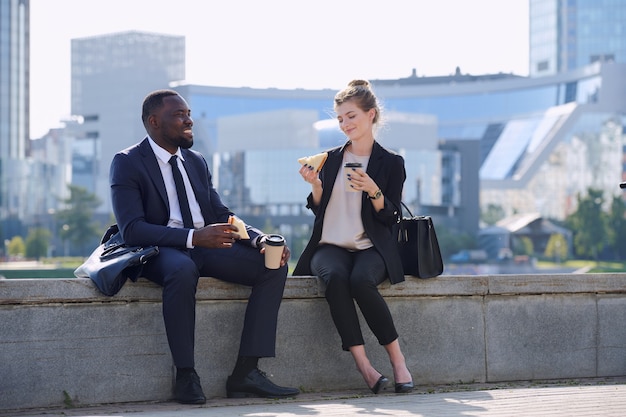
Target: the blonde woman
(352, 247)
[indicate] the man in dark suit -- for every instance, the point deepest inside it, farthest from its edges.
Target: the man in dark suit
(191, 228)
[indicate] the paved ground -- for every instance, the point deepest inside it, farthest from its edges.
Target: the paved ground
(580, 398)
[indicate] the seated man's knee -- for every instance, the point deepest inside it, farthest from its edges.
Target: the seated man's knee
(184, 274)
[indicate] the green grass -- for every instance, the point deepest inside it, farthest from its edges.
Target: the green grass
(71, 262)
(594, 266)
(609, 267)
(61, 267)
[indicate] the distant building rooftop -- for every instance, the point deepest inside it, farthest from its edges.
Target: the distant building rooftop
(457, 77)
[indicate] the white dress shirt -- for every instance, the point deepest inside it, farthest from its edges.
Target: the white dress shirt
(176, 218)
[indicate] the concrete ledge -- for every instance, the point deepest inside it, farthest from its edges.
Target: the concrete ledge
(62, 341)
(36, 291)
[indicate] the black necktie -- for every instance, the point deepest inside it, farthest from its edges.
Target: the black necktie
(182, 194)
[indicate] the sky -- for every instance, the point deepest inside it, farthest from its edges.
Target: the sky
(310, 44)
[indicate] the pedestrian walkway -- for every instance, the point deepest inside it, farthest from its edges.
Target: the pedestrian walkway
(606, 399)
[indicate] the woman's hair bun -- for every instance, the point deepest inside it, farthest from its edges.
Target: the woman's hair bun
(356, 83)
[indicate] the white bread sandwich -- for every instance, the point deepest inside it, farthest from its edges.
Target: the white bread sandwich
(315, 161)
(240, 225)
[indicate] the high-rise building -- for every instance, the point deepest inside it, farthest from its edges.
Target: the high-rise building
(14, 114)
(111, 75)
(569, 34)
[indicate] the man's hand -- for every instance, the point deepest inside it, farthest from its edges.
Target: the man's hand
(286, 255)
(286, 252)
(215, 236)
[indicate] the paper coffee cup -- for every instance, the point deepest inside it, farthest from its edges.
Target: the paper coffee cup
(273, 251)
(348, 169)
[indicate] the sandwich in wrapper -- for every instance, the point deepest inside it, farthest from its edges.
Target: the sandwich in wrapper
(315, 161)
(241, 226)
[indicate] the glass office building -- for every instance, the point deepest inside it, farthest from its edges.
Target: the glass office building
(111, 74)
(14, 113)
(569, 34)
(537, 143)
(14, 83)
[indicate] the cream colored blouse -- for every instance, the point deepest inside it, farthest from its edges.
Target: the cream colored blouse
(343, 226)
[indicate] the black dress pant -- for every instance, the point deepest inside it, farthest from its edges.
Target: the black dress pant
(178, 270)
(354, 276)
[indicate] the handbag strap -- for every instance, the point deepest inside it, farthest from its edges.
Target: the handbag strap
(406, 208)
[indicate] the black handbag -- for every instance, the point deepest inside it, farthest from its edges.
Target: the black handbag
(113, 262)
(418, 246)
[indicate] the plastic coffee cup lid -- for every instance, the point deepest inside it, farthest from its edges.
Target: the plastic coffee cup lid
(274, 240)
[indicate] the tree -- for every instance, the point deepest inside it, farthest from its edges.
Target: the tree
(452, 241)
(37, 243)
(590, 225)
(556, 247)
(522, 245)
(16, 246)
(76, 220)
(493, 214)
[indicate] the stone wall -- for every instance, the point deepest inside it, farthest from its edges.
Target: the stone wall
(62, 341)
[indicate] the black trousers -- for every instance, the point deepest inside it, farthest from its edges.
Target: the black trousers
(178, 270)
(350, 277)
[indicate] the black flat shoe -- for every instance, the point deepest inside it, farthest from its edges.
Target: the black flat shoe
(404, 387)
(381, 384)
(257, 384)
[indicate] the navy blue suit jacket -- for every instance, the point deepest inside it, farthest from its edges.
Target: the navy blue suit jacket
(140, 201)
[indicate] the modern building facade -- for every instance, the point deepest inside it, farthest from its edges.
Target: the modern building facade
(14, 112)
(111, 74)
(528, 145)
(543, 141)
(570, 34)
(255, 136)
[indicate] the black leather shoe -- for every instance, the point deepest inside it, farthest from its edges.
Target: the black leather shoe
(381, 384)
(404, 387)
(256, 384)
(188, 390)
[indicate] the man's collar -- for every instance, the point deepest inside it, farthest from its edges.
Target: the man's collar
(161, 153)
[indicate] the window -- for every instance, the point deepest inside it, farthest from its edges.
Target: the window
(543, 66)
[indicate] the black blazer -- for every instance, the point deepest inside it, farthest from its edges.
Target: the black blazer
(386, 168)
(140, 200)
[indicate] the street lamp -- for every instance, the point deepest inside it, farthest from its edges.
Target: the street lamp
(6, 249)
(66, 242)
